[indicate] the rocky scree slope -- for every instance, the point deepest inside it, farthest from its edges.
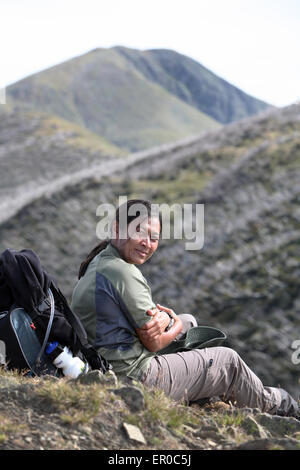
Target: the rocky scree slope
(40, 153)
(245, 280)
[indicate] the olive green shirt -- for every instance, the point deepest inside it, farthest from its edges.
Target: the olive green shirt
(112, 299)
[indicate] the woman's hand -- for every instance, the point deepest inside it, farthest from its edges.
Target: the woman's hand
(157, 325)
(169, 311)
(156, 341)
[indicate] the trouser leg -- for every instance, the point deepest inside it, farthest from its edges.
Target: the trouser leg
(219, 371)
(288, 406)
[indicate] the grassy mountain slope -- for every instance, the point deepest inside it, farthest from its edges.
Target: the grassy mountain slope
(245, 279)
(194, 84)
(103, 92)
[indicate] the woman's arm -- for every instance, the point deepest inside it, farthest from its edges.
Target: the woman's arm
(159, 323)
(153, 339)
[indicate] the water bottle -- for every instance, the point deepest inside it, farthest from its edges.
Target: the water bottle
(62, 358)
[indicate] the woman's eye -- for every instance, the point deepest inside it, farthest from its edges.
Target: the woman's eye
(143, 233)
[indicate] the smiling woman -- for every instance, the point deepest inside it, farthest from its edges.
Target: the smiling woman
(141, 243)
(114, 303)
(112, 296)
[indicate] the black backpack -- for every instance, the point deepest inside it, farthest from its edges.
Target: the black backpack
(33, 312)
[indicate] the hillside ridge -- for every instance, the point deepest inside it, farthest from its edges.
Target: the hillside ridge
(245, 279)
(195, 84)
(134, 99)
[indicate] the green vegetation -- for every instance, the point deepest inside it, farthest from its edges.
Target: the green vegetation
(224, 419)
(161, 409)
(76, 403)
(183, 188)
(102, 92)
(75, 136)
(133, 99)
(193, 84)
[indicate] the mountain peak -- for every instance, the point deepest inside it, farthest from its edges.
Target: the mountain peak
(135, 99)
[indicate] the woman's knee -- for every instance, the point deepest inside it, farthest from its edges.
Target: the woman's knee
(227, 355)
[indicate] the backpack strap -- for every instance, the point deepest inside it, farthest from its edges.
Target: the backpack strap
(70, 316)
(95, 359)
(52, 310)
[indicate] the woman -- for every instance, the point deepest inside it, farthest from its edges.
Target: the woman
(114, 302)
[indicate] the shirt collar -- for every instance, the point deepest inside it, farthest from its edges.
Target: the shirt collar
(112, 251)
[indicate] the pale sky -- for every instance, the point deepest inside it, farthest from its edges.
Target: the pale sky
(253, 44)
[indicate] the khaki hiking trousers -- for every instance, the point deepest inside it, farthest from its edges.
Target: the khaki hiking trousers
(213, 372)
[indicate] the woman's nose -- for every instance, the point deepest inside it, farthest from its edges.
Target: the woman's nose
(146, 242)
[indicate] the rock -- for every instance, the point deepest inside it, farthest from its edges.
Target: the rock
(278, 425)
(217, 406)
(270, 444)
(247, 411)
(134, 433)
(211, 443)
(250, 425)
(132, 396)
(227, 442)
(92, 377)
(85, 429)
(110, 378)
(96, 376)
(207, 431)
(50, 378)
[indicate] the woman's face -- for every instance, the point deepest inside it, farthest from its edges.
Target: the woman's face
(141, 242)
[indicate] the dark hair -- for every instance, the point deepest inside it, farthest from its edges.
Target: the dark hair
(129, 218)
